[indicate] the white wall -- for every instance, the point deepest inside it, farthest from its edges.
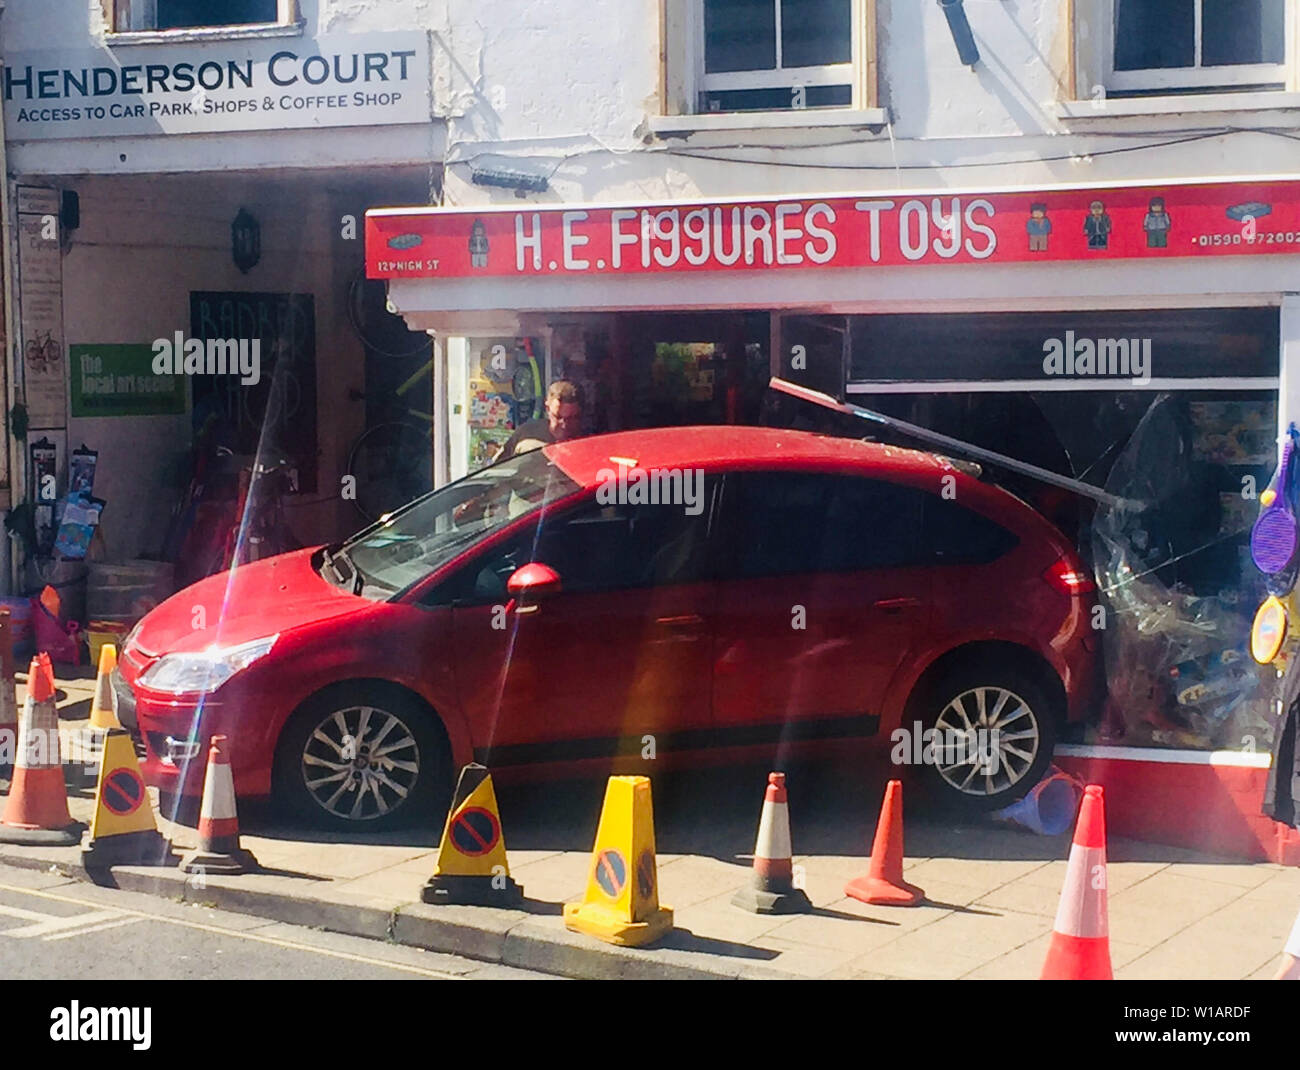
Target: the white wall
(142, 247)
(579, 98)
(568, 87)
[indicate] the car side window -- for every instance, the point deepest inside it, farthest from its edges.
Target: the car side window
(595, 547)
(608, 547)
(961, 536)
(482, 581)
(786, 523)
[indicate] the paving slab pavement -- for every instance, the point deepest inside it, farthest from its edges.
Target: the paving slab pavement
(991, 891)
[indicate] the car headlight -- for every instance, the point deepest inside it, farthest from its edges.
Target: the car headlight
(204, 670)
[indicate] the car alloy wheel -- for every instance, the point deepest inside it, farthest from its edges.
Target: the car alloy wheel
(986, 741)
(360, 763)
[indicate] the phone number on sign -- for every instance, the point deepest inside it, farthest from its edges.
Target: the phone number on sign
(1272, 237)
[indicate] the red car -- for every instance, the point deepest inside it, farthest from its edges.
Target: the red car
(722, 591)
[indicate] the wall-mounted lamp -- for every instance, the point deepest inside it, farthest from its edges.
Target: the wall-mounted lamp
(245, 240)
(967, 50)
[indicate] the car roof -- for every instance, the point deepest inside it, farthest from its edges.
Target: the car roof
(732, 447)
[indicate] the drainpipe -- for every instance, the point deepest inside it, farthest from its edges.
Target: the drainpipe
(967, 50)
(17, 450)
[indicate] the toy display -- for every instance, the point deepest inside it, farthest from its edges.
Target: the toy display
(1273, 547)
(1177, 644)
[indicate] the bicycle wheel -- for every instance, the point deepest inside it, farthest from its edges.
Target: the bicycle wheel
(391, 463)
(382, 333)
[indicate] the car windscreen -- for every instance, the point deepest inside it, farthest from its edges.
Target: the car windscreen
(418, 539)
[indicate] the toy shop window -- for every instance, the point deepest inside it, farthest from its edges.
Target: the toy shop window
(1170, 47)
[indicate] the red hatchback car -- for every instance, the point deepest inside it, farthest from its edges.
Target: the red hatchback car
(724, 590)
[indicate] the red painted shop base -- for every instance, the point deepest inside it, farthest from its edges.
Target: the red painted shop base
(1207, 801)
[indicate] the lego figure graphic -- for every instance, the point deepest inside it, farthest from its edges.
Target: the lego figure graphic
(1097, 226)
(1038, 227)
(1156, 223)
(478, 245)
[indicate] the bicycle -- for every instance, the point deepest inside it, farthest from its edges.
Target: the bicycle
(257, 528)
(43, 353)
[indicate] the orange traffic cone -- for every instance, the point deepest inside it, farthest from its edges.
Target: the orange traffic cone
(1080, 947)
(37, 809)
(771, 889)
(219, 850)
(884, 882)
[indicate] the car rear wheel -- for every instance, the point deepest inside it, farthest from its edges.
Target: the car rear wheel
(362, 757)
(994, 734)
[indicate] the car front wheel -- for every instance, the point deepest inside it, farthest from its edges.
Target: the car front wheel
(360, 757)
(994, 732)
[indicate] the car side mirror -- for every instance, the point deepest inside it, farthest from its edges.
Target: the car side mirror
(533, 581)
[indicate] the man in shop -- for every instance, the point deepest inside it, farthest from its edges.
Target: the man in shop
(562, 421)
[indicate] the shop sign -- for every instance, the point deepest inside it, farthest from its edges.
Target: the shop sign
(119, 380)
(40, 302)
(1098, 225)
(202, 88)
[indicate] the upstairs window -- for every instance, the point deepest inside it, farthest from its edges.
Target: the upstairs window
(192, 14)
(1179, 46)
(127, 16)
(770, 55)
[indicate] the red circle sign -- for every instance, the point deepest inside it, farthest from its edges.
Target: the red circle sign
(475, 831)
(123, 792)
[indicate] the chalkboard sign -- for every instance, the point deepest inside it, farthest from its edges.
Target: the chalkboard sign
(277, 412)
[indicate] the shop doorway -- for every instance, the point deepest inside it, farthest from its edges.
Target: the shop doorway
(676, 369)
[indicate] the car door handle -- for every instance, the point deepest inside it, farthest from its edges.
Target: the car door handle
(896, 605)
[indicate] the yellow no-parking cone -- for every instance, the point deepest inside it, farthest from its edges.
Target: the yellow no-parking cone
(621, 905)
(471, 867)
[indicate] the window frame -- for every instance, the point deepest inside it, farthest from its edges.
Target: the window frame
(140, 17)
(1266, 77)
(683, 54)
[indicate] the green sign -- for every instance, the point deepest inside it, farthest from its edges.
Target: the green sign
(119, 380)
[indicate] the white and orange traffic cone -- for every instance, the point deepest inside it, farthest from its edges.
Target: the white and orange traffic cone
(884, 884)
(102, 714)
(37, 809)
(771, 889)
(219, 850)
(1080, 947)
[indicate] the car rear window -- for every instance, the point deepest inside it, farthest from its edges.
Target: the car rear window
(960, 536)
(785, 523)
(794, 522)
